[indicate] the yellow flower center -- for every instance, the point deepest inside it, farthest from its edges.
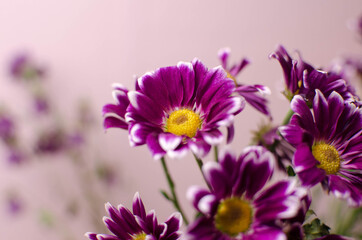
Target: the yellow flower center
(183, 122)
(139, 236)
(233, 216)
(328, 157)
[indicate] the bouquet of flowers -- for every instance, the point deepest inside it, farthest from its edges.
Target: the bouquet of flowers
(179, 109)
(184, 108)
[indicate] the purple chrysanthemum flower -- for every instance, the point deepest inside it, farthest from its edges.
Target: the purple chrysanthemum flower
(237, 207)
(176, 108)
(138, 225)
(301, 78)
(253, 94)
(328, 144)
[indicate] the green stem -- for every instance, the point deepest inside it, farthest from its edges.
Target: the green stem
(216, 152)
(345, 228)
(174, 198)
(287, 117)
(200, 164)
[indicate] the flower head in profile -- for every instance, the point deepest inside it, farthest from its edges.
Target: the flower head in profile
(303, 79)
(238, 206)
(177, 108)
(253, 94)
(138, 225)
(328, 144)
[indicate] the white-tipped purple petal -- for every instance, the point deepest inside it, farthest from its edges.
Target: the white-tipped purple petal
(169, 141)
(213, 137)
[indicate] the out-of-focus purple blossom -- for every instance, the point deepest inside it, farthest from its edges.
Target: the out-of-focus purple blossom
(253, 94)
(356, 26)
(14, 204)
(106, 173)
(7, 129)
(41, 104)
(15, 156)
(303, 79)
(328, 144)
(138, 225)
(50, 141)
(176, 109)
(23, 67)
(75, 140)
(86, 116)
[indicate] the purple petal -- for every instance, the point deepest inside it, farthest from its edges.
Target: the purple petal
(223, 55)
(303, 158)
(179, 152)
(342, 188)
(212, 137)
(146, 107)
(195, 194)
(154, 146)
(138, 133)
(256, 161)
(293, 134)
(321, 112)
(230, 133)
(299, 106)
(153, 87)
(169, 141)
(172, 79)
(200, 148)
(138, 207)
(188, 82)
(113, 122)
(217, 179)
(266, 233)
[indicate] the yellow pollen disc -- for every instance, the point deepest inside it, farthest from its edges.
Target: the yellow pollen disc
(228, 75)
(328, 157)
(233, 216)
(139, 236)
(183, 122)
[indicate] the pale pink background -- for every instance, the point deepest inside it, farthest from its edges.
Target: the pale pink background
(90, 44)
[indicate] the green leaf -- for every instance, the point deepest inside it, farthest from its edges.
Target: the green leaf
(315, 229)
(165, 195)
(290, 171)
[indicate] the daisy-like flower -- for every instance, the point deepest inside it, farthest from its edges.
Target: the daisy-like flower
(253, 94)
(328, 144)
(177, 108)
(303, 79)
(138, 225)
(237, 206)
